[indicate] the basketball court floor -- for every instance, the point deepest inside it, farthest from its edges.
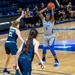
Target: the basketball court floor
(64, 47)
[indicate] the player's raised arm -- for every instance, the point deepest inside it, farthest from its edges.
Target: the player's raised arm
(53, 18)
(41, 11)
(36, 45)
(22, 15)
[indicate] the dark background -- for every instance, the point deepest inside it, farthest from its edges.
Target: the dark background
(5, 27)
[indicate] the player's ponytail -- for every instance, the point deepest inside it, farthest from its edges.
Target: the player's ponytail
(32, 34)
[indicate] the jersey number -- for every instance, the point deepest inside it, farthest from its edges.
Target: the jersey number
(46, 28)
(10, 34)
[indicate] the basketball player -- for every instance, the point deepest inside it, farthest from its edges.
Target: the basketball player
(25, 54)
(10, 44)
(49, 36)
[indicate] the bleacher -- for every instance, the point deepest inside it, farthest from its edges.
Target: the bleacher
(6, 8)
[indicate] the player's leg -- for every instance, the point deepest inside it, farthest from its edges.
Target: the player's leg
(7, 50)
(17, 69)
(44, 54)
(5, 71)
(13, 52)
(45, 44)
(51, 42)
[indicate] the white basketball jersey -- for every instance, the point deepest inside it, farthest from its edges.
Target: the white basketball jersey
(48, 27)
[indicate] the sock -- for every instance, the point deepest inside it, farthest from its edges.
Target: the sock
(43, 58)
(56, 60)
(5, 69)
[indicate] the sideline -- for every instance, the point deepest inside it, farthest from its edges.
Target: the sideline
(62, 22)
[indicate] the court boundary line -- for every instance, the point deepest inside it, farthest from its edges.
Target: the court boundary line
(56, 23)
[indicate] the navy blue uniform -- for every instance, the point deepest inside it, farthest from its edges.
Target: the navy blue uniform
(25, 61)
(10, 44)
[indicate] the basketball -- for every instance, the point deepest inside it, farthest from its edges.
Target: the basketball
(50, 5)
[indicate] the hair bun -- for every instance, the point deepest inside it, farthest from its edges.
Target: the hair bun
(32, 32)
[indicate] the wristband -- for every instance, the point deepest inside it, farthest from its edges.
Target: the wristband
(41, 61)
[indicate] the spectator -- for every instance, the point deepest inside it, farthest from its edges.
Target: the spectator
(35, 10)
(19, 10)
(69, 9)
(42, 6)
(36, 17)
(64, 2)
(61, 12)
(28, 18)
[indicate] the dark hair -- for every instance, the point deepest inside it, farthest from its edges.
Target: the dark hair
(32, 34)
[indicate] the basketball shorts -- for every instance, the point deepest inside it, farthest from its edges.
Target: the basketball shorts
(48, 40)
(11, 48)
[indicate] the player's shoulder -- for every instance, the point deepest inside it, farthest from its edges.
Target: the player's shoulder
(35, 41)
(13, 28)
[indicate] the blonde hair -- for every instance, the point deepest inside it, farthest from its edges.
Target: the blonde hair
(14, 23)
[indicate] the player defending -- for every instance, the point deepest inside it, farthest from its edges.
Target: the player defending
(11, 42)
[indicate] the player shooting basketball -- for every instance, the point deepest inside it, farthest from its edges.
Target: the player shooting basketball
(49, 36)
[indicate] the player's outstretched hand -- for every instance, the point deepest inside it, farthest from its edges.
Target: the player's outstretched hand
(42, 64)
(14, 67)
(23, 14)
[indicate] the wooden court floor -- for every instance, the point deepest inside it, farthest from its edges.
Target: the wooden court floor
(66, 59)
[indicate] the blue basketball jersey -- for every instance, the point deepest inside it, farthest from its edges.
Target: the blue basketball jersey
(30, 54)
(12, 36)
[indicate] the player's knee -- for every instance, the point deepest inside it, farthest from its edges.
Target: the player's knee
(44, 50)
(52, 50)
